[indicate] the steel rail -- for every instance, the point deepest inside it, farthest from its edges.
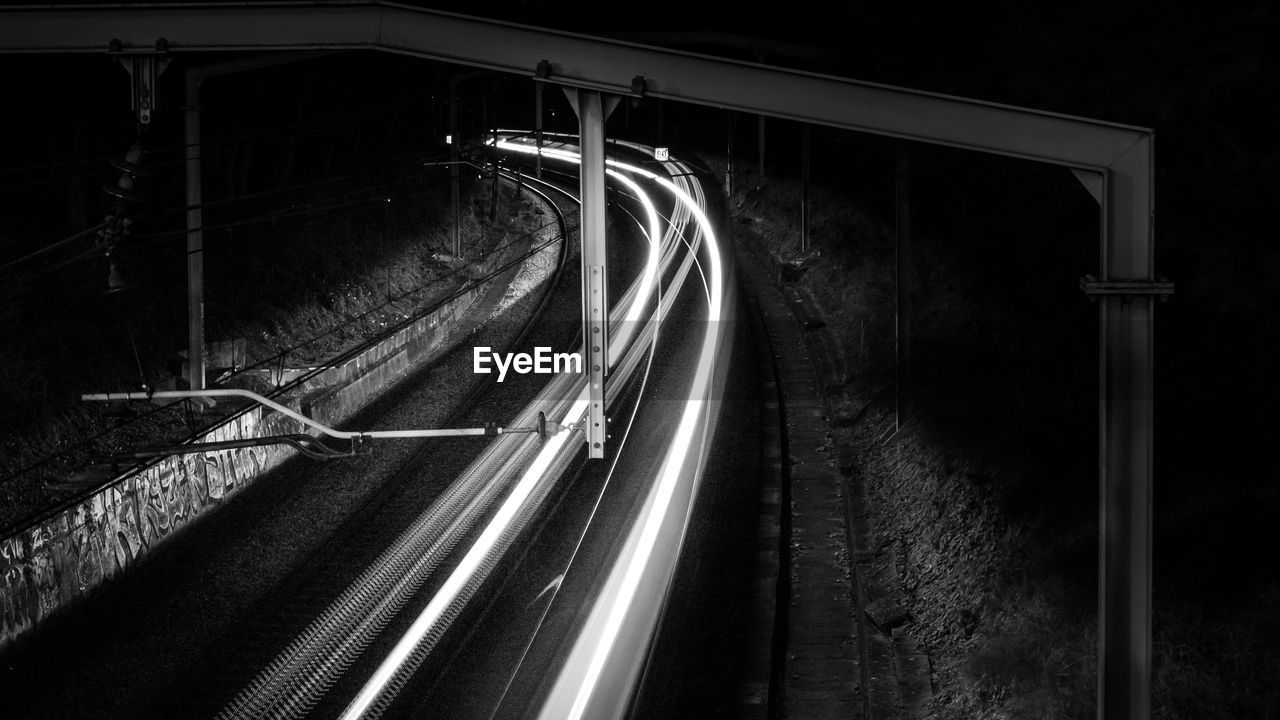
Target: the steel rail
(308, 671)
(473, 569)
(307, 668)
(312, 662)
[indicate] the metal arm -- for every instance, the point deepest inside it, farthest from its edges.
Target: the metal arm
(545, 427)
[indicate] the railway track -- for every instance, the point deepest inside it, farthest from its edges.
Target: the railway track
(533, 628)
(301, 674)
(494, 502)
(338, 630)
(290, 660)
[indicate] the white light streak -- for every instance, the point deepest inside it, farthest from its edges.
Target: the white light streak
(582, 672)
(476, 554)
(466, 569)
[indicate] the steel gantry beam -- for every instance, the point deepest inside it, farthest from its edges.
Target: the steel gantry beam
(576, 60)
(1117, 159)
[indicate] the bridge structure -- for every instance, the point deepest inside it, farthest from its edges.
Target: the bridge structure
(1113, 161)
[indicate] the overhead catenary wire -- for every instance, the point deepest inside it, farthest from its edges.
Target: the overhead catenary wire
(340, 358)
(53, 246)
(297, 128)
(363, 113)
(275, 215)
(413, 317)
(312, 211)
(206, 154)
(354, 435)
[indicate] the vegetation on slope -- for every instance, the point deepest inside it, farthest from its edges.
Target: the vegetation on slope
(988, 494)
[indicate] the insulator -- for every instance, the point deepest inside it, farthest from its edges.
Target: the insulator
(122, 191)
(130, 170)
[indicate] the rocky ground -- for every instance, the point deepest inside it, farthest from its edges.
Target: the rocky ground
(987, 493)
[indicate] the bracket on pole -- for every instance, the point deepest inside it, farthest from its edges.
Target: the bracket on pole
(544, 73)
(144, 68)
(1092, 181)
(1094, 287)
(543, 429)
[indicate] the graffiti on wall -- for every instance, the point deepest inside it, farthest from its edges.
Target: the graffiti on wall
(61, 558)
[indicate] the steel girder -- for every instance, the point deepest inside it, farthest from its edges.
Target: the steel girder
(590, 63)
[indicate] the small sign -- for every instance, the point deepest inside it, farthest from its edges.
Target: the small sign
(661, 153)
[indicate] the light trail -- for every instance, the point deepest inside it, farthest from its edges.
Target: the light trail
(574, 690)
(649, 277)
(576, 687)
(455, 587)
(463, 573)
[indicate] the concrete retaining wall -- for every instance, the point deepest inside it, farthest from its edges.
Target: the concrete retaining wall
(60, 559)
(339, 392)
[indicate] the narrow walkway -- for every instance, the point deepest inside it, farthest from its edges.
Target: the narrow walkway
(757, 698)
(822, 673)
(839, 646)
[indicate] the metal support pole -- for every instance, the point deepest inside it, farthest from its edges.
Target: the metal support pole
(661, 122)
(902, 286)
(195, 235)
(537, 126)
(760, 146)
(760, 58)
(493, 194)
(595, 288)
(1126, 323)
(804, 188)
(455, 173)
(728, 153)
(192, 80)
